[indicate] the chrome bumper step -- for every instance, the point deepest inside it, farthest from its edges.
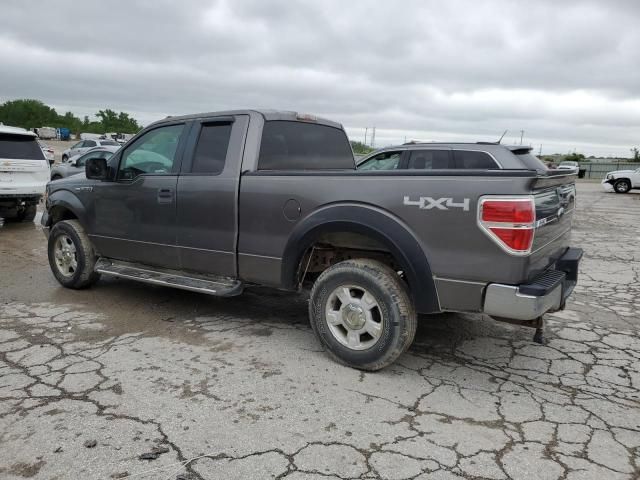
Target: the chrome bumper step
(218, 286)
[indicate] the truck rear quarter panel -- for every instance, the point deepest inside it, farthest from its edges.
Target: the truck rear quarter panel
(458, 251)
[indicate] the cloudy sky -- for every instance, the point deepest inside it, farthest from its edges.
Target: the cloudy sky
(566, 72)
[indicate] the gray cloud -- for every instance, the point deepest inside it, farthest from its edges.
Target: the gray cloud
(566, 72)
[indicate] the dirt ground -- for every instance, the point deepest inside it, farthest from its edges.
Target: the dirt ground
(126, 380)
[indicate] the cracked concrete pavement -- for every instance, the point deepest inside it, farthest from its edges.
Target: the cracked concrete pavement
(239, 388)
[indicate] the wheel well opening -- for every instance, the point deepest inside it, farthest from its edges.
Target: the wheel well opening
(334, 247)
(58, 214)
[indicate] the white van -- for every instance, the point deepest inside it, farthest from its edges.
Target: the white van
(24, 173)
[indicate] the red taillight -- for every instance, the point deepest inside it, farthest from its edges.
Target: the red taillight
(510, 222)
(511, 211)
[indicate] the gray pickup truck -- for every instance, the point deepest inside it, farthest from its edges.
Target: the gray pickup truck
(219, 201)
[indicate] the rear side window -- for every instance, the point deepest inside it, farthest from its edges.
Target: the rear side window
(303, 146)
(467, 159)
(89, 143)
(531, 161)
(211, 151)
(20, 147)
(429, 160)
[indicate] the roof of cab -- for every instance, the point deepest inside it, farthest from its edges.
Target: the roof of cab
(15, 130)
(267, 114)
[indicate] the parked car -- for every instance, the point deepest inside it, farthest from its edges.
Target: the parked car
(445, 156)
(213, 202)
(84, 145)
(24, 173)
(622, 181)
(75, 164)
(48, 152)
(568, 165)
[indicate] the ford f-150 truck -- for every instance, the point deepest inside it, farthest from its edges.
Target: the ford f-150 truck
(219, 201)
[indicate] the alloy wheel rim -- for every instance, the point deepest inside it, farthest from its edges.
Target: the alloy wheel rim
(354, 317)
(65, 256)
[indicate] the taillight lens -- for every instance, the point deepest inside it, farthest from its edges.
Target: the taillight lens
(509, 222)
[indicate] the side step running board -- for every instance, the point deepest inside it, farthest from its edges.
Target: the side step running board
(219, 286)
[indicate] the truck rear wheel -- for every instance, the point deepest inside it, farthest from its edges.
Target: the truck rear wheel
(71, 255)
(361, 312)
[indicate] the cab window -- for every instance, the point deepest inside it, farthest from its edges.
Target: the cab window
(153, 153)
(382, 161)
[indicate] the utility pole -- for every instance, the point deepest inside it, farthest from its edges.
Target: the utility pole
(521, 135)
(365, 134)
(540, 152)
(373, 137)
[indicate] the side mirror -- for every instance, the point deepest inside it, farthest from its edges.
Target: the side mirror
(96, 169)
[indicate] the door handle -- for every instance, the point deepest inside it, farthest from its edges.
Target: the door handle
(165, 195)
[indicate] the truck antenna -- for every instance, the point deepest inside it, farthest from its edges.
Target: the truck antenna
(500, 139)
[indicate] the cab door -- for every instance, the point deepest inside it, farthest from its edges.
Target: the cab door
(133, 218)
(208, 186)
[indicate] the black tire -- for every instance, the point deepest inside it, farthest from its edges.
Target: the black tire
(622, 186)
(82, 275)
(56, 177)
(394, 307)
(64, 158)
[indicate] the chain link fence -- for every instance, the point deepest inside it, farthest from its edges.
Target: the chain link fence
(598, 170)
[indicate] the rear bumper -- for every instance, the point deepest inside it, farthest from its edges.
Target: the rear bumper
(546, 293)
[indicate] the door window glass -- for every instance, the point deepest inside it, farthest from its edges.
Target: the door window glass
(153, 153)
(382, 161)
(89, 144)
(211, 151)
(429, 160)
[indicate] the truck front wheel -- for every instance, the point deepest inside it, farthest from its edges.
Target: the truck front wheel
(361, 312)
(71, 255)
(622, 186)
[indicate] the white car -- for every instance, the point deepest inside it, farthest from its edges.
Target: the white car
(621, 181)
(84, 145)
(24, 173)
(569, 166)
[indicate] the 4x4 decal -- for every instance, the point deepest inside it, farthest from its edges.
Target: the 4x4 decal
(445, 203)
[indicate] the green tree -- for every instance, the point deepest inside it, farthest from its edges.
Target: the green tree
(636, 154)
(360, 148)
(574, 157)
(31, 113)
(27, 113)
(117, 122)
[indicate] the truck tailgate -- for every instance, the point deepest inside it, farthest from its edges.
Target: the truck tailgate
(555, 200)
